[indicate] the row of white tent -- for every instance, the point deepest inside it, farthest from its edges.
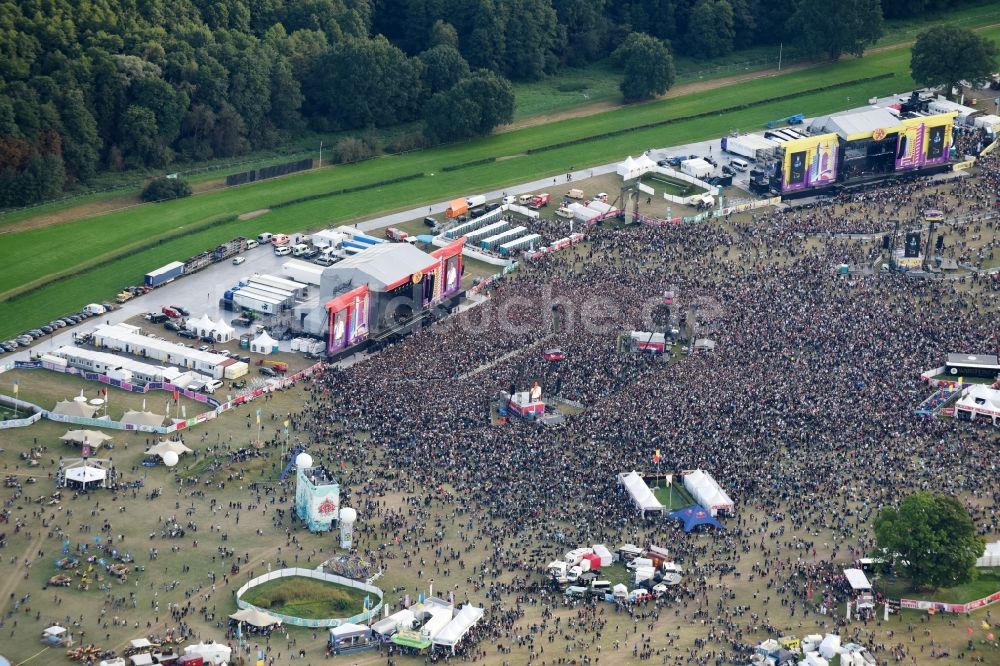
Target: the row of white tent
(441, 625)
(703, 489)
(205, 327)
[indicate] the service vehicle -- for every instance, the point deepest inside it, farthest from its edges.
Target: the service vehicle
(525, 199)
(475, 201)
(267, 372)
(184, 311)
(265, 237)
(251, 244)
(282, 250)
(280, 239)
(299, 250)
(171, 312)
(238, 260)
(540, 200)
(172, 326)
(95, 309)
(575, 193)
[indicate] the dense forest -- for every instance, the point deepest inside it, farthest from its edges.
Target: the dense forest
(93, 85)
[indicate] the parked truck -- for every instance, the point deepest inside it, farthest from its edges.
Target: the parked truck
(474, 201)
(751, 146)
(456, 208)
(165, 274)
(540, 200)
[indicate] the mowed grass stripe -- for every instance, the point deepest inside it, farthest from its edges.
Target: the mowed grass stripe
(65, 296)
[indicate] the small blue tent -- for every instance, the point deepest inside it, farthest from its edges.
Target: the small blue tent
(693, 516)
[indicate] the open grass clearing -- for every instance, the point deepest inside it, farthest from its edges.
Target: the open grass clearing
(673, 496)
(666, 185)
(986, 583)
(307, 598)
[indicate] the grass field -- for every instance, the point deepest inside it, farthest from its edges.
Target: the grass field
(307, 598)
(985, 584)
(674, 496)
(31, 256)
(664, 184)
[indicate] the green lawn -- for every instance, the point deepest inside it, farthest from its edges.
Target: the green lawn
(31, 256)
(307, 598)
(674, 496)
(984, 585)
(664, 184)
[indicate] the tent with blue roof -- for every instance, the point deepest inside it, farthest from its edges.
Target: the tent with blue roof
(693, 516)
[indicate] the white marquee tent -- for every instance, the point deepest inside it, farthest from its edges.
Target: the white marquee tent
(460, 625)
(707, 492)
(402, 619)
(640, 493)
(264, 344)
(212, 653)
(634, 168)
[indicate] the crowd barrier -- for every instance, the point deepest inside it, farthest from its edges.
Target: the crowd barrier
(317, 575)
(178, 424)
(940, 607)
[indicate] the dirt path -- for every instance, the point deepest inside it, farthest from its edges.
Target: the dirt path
(17, 575)
(692, 88)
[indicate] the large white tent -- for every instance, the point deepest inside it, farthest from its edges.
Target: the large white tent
(169, 446)
(86, 475)
(640, 493)
(211, 653)
(634, 168)
(707, 492)
(402, 619)
(460, 625)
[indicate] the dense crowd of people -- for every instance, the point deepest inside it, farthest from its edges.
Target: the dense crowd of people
(804, 412)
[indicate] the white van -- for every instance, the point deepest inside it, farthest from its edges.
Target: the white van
(94, 309)
(264, 237)
(299, 250)
(525, 199)
(251, 244)
(739, 164)
(601, 586)
(211, 385)
(282, 250)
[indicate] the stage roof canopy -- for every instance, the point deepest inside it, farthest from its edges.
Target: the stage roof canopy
(858, 123)
(382, 265)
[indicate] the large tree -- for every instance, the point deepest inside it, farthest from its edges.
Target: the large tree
(821, 29)
(710, 29)
(648, 65)
(931, 539)
(444, 66)
(947, 54)
(473, 107)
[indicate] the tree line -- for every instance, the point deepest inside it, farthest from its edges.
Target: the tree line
(105, 85)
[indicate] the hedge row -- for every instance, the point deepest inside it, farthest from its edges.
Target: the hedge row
(714, 112)
(118, 256)
(464, 165)
(348, 190)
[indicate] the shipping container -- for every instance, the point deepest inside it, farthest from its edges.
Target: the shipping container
(164, 274)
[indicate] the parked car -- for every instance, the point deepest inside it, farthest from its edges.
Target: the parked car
(238, 260)
(171, 312)
(211, 385)
(245, 359)
(156, 317)
(430, 222)
(108, 307)
(187, 334)
(184, 311)
(172, 326)
(10, 345)
(728, 170)
(282, 250)
(266, 371)
(311, 253)
(240, 321)
(204, 347)
(47, 329)
(24, 340)
(36, 333)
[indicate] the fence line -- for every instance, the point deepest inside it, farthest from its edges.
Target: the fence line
(316, 575)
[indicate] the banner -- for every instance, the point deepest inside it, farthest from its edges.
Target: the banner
(809, 162)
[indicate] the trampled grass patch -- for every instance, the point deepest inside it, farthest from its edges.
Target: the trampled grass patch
(31, 255)
(307, 598)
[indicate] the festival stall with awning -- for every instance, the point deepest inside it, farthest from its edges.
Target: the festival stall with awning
(255, 617)
(136, 418)
(75, 408)
(91, 438)
(694, 516)
(169, 446)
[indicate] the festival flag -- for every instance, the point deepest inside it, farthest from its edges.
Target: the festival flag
(258, 416)
(368, 602)
(16, 386)
(420, 599)
(143, 404)
(104, 391)
(177, 395)
(184, 411)
(656, 456)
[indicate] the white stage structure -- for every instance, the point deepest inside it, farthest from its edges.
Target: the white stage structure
(640, 493)
(706, 492)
